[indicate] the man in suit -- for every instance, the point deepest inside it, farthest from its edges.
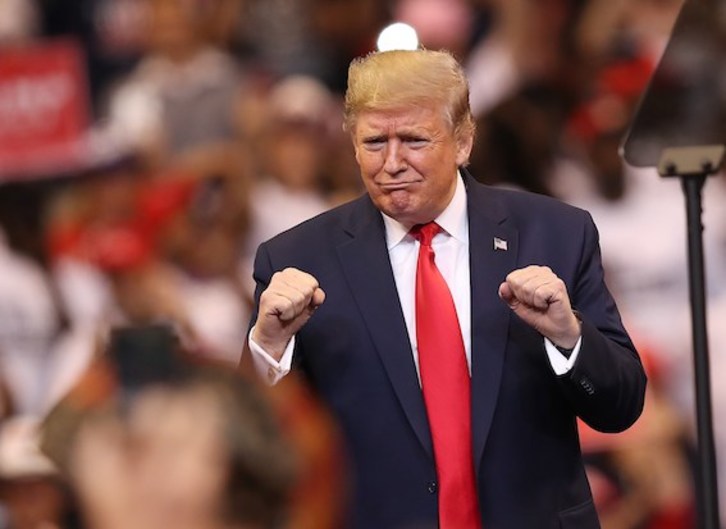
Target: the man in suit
(435, 317)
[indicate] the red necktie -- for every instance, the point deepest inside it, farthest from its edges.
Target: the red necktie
(446, 389)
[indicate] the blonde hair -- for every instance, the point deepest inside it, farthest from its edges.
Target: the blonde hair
(393, 79)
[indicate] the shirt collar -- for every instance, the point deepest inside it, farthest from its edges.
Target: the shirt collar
(453, 220)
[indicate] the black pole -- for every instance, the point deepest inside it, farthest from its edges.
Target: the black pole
(707, 486)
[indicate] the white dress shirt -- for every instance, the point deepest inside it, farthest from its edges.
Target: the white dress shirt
(451, 246)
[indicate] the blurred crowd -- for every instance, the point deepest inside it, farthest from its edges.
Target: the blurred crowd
(215, 124)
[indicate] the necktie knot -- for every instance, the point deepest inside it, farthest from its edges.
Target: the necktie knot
(425, 233)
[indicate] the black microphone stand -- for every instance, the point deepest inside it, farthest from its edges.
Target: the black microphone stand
(693, 165)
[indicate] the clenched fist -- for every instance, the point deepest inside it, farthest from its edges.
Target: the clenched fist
(285, 306)
(540, 299)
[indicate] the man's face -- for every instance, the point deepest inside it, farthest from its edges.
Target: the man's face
(408, 159)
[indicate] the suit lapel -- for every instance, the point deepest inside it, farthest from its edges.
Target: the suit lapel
(365, 262)
(493, 254)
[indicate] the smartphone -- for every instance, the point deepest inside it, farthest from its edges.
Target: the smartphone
(145, 354)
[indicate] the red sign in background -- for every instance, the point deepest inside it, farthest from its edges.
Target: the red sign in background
(44, 110)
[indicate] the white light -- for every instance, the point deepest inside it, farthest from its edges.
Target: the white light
(398, 36)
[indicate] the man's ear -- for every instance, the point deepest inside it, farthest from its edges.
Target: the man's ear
(464, 144)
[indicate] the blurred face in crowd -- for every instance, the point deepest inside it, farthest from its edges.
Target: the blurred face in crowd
(179, 456)
(408, 158)
(166, 467)
(174, 26)
(295, 156)
(200, 452)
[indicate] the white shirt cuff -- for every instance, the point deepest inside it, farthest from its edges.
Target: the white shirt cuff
(267, 368)
(561, 365)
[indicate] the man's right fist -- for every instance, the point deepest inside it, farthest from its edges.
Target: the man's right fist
(285, 306)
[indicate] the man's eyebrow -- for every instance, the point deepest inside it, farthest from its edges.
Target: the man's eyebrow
(374, 136)
(409, 134)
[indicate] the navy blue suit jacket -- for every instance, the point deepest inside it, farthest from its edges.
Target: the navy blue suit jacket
(356, 352)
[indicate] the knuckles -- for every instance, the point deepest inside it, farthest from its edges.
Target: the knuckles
(535, 282)
(289, 290)
(292, 278)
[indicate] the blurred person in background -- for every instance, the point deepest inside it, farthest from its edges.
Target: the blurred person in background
(278, 37)
(526, 74)
(528, 44)
(152, 437)
(536, 65)
(515, 144)
(194, 448)
(41, 350)
(110, 31)
(294, 149)
(19, 21)
(133, 245)
(178, 112)
(41, 354)
(181, 97)
(159, 234)
(103, 225)
(31, 319)
(202, 243)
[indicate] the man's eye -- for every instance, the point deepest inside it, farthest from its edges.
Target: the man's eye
(374, 143)
(416, 142)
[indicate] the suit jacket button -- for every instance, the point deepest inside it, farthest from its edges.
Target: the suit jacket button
(431, 487)
(587, 385)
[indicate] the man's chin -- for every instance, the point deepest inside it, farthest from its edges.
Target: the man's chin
(408, 214)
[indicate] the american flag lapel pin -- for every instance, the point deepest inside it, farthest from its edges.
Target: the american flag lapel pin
(500, 244)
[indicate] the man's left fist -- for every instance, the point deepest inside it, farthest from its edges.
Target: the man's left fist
(540, 298)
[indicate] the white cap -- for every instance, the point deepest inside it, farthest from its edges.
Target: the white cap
(300, 98)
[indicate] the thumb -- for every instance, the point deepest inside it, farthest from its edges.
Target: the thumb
(318, 298)
(506, 295)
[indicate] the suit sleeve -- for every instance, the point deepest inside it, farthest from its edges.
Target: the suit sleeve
(606, 386)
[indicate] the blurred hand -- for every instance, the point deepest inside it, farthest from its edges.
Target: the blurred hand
(540, 299)
(285, 306)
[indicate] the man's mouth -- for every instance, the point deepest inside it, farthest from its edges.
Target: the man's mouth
(396, 186)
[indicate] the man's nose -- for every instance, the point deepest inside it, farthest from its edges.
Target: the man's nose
(395, 161)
